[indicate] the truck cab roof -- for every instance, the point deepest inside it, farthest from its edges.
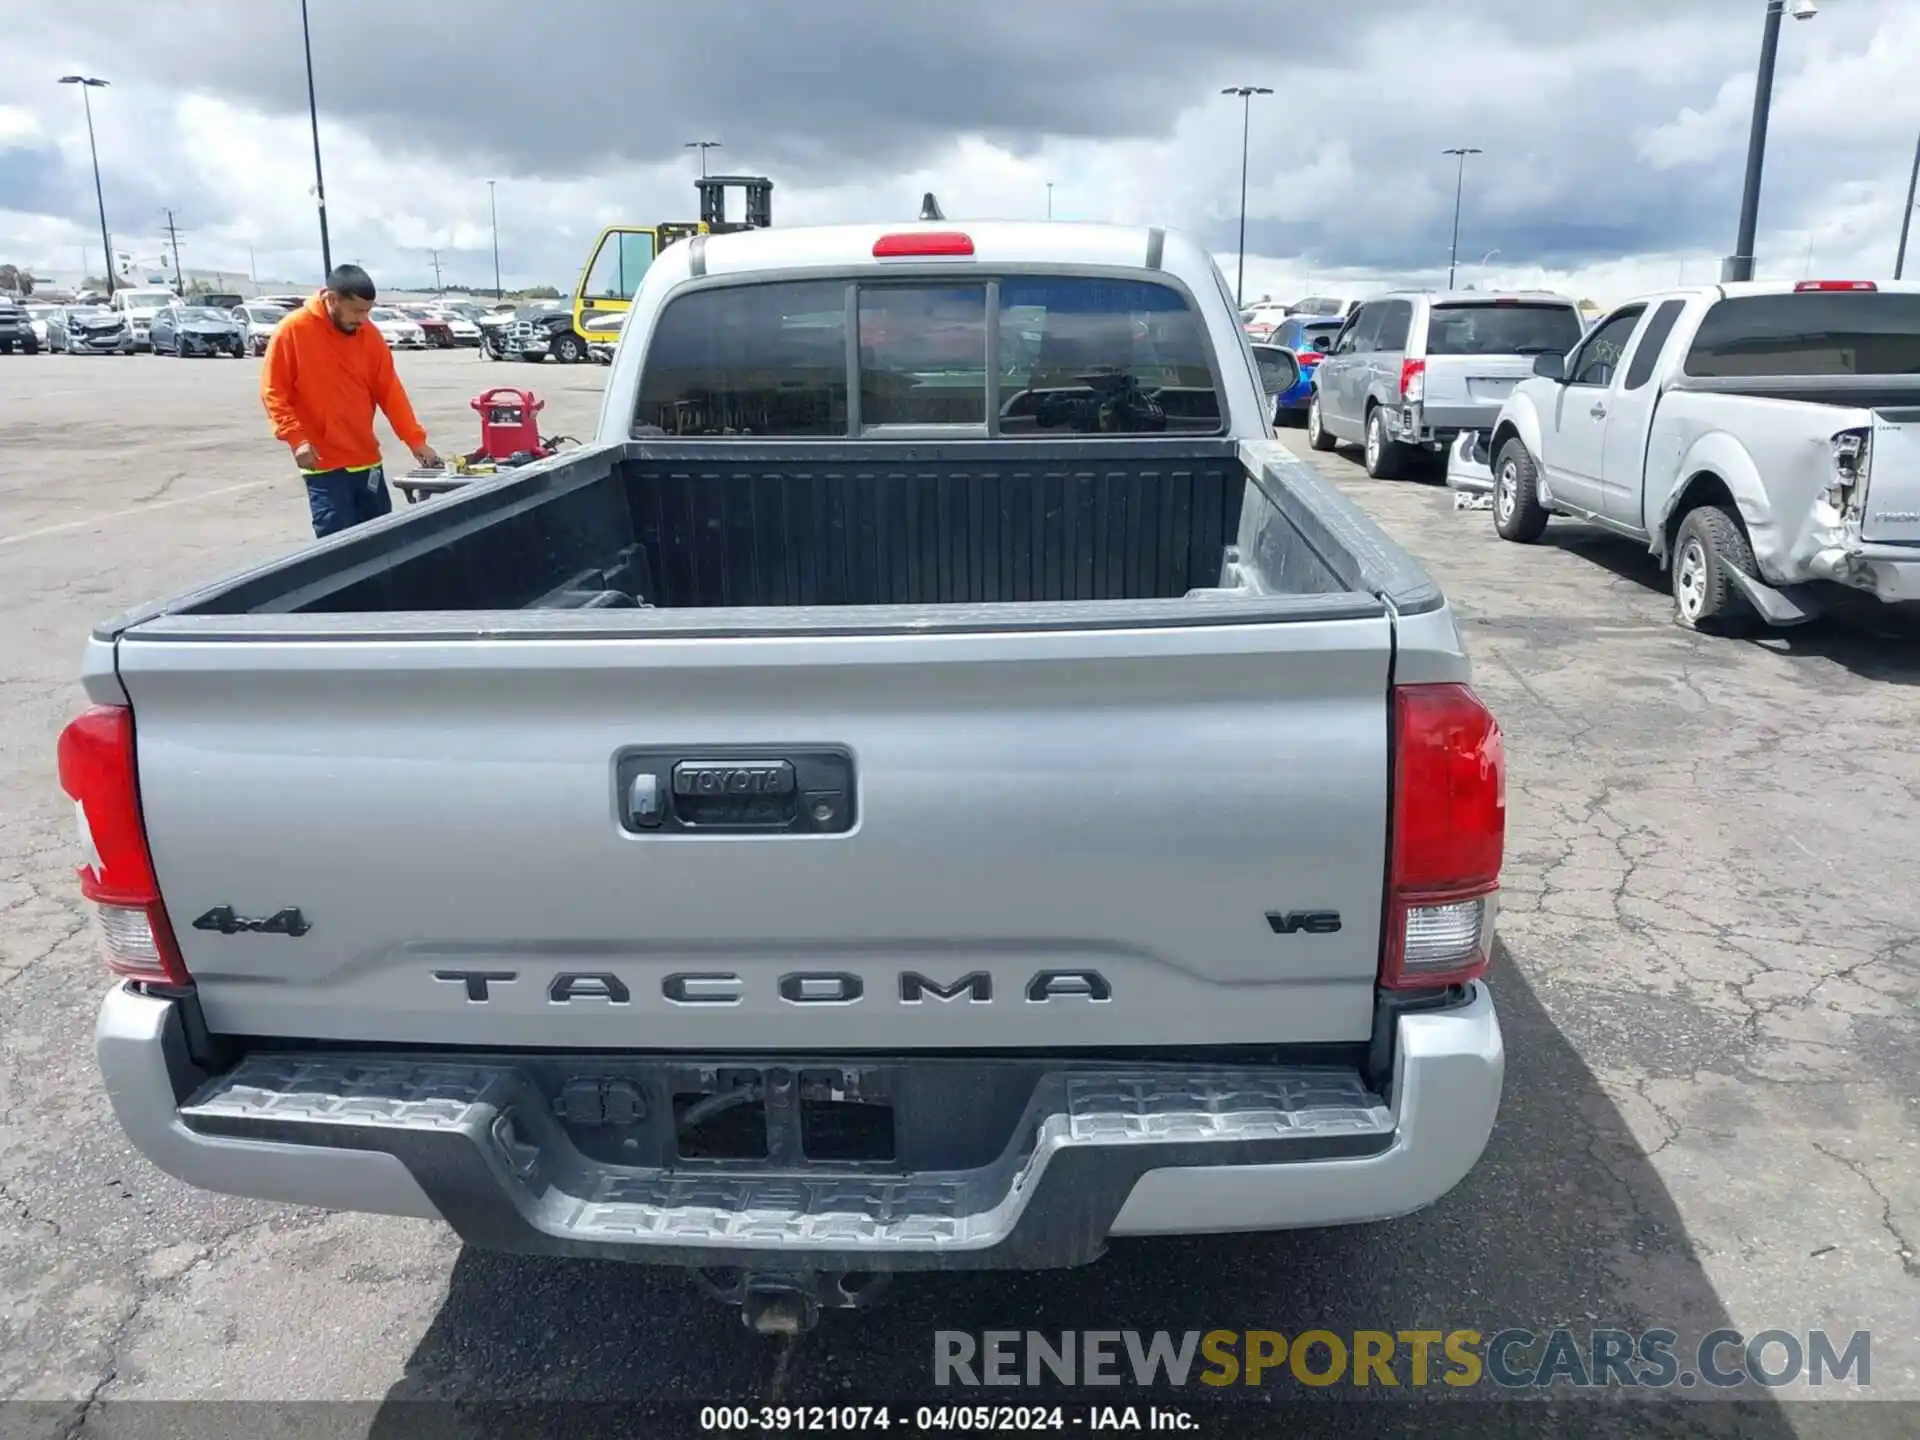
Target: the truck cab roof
(1478, 297)
(994, 242)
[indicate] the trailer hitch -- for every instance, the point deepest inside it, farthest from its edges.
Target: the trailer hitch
(790, 1302)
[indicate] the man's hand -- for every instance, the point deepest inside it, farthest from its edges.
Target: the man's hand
(426, 457)
(306, 457)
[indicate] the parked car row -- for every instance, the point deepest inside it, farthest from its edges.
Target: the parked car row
(1264, 316)
(216, 324)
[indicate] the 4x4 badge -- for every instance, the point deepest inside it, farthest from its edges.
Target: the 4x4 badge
(284, 922)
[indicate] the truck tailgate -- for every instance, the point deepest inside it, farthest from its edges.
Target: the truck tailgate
(1892, 515)
(1099, 822)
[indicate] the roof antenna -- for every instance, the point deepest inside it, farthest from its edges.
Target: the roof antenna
(930, 207)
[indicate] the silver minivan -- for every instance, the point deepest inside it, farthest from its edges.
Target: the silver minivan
(1412, 369)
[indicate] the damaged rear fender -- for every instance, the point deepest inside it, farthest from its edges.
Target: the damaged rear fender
(1716, 468)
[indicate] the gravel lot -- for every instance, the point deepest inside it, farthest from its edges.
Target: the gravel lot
(1709, 986)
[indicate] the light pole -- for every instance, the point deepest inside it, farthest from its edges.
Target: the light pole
(1906, 215)
(86, 83)
(702, 146)
(313, 115)
(1246, 94)
(1459, 185)
(1050, 200)
(1739, 265)
(493, 214)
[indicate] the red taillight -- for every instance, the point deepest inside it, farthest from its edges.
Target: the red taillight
(1308, 358)
(922, 244)
(116, 873)
(1449, 831)
(1806, 285)
(1413, 381)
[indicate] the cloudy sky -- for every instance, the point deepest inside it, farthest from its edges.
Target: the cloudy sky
(1614, 131)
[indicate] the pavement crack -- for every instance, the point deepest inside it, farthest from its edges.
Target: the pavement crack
(1672, 1126)
(25, 1211)
(146, 1291)
(165, 485)
(83, 1412)
(1909, 1262)
(26, 965)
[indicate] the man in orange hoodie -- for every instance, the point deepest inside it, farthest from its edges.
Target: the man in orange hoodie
(326, 369)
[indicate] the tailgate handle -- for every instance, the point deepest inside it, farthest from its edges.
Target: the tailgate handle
(785, 792)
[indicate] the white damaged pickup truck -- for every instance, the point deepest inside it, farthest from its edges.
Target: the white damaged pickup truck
(934, 785)
(1762, 439)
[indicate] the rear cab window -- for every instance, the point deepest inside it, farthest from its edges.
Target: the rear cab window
(1822, 333)
(1046, 356)
(923, 355)
(1508, 327)
(749, 360)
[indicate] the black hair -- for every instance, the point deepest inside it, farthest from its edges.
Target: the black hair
(351, 282)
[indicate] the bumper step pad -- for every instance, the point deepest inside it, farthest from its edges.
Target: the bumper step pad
(483, 1142)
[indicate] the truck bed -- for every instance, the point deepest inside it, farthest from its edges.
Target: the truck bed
(652, 527)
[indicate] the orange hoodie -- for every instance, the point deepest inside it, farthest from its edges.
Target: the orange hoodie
(320, 386)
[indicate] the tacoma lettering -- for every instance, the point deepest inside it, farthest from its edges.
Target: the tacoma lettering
(800, 987)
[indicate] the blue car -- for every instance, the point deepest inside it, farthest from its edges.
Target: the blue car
(1308, 337)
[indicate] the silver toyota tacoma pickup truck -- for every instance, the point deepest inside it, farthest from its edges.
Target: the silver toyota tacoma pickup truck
(933, 785)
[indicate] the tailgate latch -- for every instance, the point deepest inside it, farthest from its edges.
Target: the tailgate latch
(795, 792)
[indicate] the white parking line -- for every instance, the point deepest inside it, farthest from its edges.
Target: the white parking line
(134, 510)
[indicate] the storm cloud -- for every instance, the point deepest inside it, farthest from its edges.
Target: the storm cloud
(1611, 131)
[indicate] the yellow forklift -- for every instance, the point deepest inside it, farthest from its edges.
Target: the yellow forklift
(623, 252)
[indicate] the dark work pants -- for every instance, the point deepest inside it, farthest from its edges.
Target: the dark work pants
(341, 499)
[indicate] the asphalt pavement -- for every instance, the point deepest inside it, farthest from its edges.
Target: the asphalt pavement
(1708, 976)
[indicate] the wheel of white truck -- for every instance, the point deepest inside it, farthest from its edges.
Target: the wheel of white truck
(1704, 599)
(1518, 514)
(1318, 436)
(1383, 454)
